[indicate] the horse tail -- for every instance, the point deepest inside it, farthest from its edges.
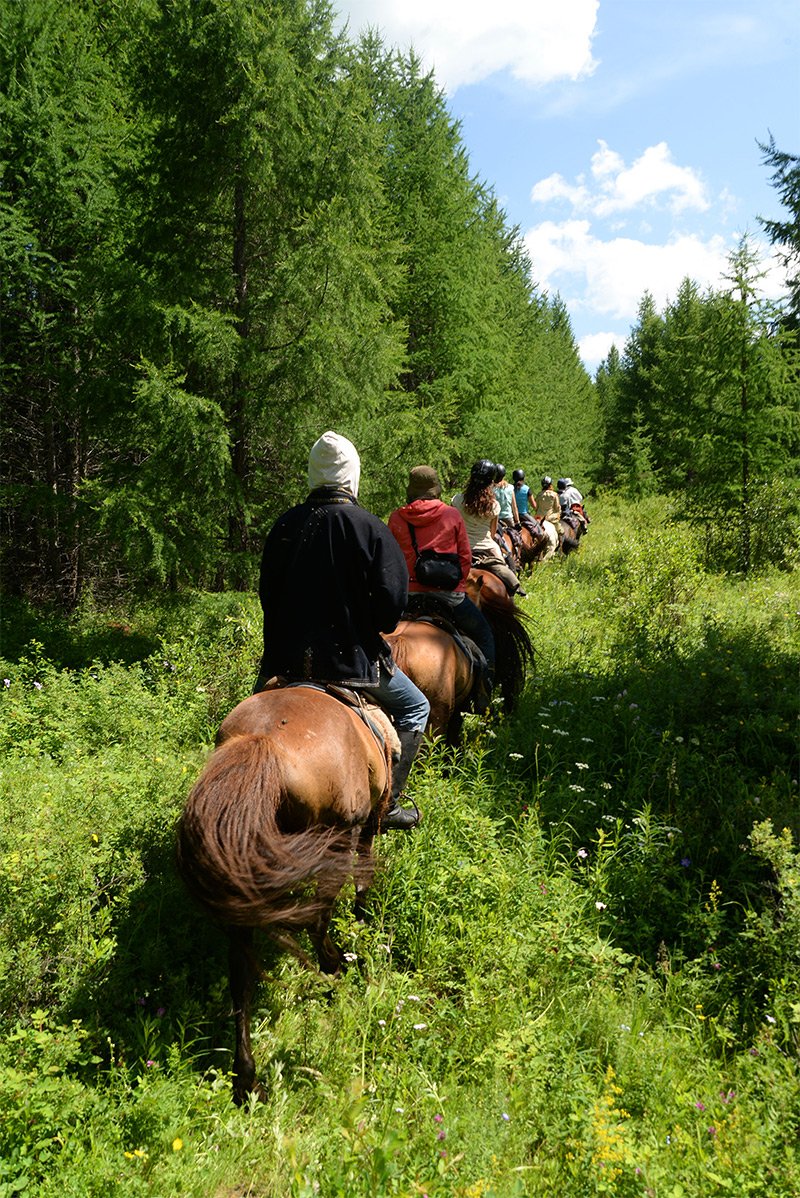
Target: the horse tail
(513, 645)
(238, 862)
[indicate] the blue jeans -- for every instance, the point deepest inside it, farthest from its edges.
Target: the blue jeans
(402, 698)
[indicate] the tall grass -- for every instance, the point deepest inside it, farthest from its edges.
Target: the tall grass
(581, 975)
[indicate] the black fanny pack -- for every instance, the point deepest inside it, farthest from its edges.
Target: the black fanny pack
(432, 569)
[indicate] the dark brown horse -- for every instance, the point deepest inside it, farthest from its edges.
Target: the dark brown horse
(509, 624)
(534, 543)
(283, 814)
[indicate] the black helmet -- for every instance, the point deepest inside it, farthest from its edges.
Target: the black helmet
(518, 476)
(499, 472)
(546, 481)
(562, 484)
(483, 472)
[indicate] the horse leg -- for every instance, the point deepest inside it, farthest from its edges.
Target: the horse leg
(364, 874)
(243, 974)
(328, 955)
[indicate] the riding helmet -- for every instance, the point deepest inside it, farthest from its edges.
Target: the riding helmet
(546, 482)
(483, 472)
(499, 472)
(518, 476)
(562, 484)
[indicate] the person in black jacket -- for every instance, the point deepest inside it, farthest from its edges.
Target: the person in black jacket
(333, 579)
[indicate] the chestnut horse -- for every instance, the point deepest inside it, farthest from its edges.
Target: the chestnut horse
(283, 814)
(433, 660)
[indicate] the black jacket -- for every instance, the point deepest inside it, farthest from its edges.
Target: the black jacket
(333, 578)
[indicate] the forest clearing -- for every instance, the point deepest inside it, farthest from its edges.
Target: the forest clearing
(579, 975)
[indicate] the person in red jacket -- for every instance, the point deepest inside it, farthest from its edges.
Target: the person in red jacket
(424, 522)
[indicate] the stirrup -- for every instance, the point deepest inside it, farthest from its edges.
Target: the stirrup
(400, 819)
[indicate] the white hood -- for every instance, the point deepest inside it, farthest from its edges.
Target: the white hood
(334, 462)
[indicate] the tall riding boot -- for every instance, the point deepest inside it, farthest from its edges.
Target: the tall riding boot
(402, 818)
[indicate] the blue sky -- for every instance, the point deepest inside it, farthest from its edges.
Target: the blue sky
(619, 135)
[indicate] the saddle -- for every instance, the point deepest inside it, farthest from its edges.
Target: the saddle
(371, 713)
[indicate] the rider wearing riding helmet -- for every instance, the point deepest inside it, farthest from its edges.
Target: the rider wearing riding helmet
(424, 522)
(333, 580)
(504, 493)
(548, 510)
(480, 509)
(522, 493)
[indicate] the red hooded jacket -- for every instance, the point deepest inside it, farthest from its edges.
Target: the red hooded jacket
(437, 526)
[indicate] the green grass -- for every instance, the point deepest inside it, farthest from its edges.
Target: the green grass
(581, 975)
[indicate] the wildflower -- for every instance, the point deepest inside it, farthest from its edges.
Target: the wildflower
(605, 786)
(38, 685)
(420, 1027)
(581, 765)
(505, 1117)
(438, 1118)
(770, 1019)
(515, 756)
(694, 741)
(177, 1144)
(726, 1098)
(6, 682)
(686, 862)
(678, 740)
(413, 998)
(700, 1106)
(578, 789)
(600, 906)
(161, 1012)
(149, 1064)
(582, 853)
(442, 1135)
(712, 1131)
(624, 1027)
(381, 1023)
(351, 957)
(587, 740)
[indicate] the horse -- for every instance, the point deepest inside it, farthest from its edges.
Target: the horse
(440, 667)
(513, 647)
(534, 542)
(572, 529)
(433, 659)
(284, 812)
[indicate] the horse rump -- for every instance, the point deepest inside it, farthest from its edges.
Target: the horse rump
(241, 859)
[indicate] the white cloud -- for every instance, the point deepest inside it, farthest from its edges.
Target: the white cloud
(653, 177)
(594, 347)
(465, 41)
(609, 278)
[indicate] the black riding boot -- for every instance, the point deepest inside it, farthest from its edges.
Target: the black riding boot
(400, 818)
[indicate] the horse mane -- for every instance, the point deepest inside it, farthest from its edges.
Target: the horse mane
(237, 860)
(515, 652)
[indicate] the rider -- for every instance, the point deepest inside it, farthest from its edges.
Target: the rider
(572, 501)
(508, 515)
(549, 511)
(525, 501)
(480, 509)
(440, 527)
(333, 580)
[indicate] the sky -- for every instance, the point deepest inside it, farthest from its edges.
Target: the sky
(620, 136)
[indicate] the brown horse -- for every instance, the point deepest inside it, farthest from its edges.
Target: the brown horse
(534, 543)
(283, 814)
(432, 659)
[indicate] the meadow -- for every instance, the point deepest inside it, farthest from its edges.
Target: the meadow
(579, 976)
